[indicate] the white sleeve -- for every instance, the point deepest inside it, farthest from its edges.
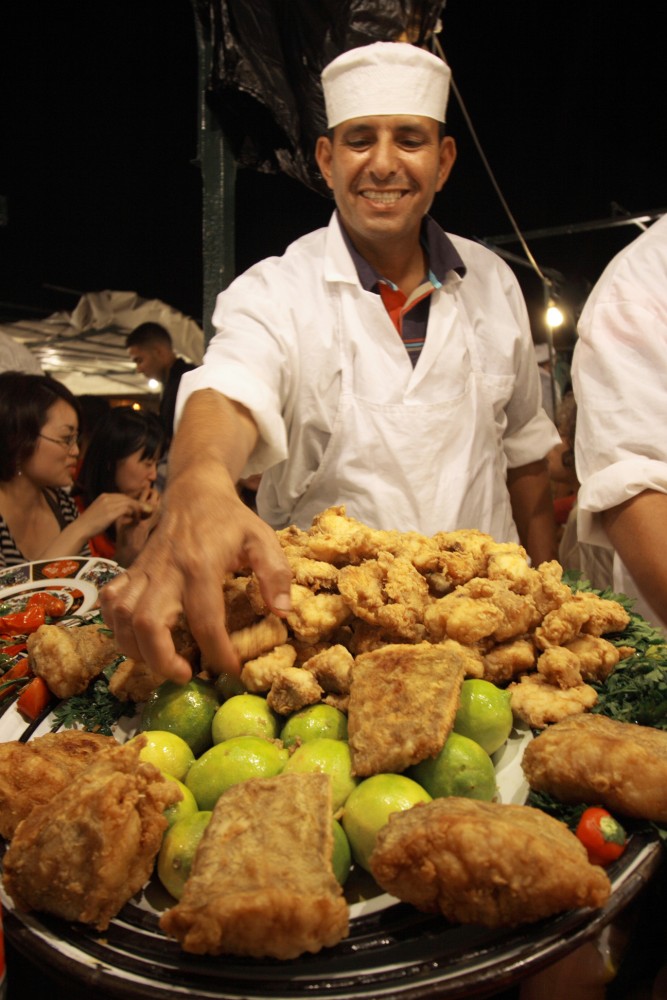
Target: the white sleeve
(620, 384)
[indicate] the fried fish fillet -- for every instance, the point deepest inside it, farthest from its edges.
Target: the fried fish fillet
(261, 882)
(69, 658)
(35, 773)
(593, 759)
(485, 863)
(403, 700)
(84, 854)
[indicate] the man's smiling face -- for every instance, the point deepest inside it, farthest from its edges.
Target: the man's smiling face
(384, 171)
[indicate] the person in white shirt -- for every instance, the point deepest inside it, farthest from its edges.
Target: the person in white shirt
(620, 382)
(378, 363)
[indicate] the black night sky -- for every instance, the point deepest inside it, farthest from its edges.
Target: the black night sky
(99, 127)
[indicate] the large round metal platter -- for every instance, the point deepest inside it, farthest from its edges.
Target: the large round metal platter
(392, 951)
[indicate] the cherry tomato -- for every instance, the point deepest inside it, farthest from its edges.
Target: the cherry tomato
(603, 836)
(22, 622)
(53, 606)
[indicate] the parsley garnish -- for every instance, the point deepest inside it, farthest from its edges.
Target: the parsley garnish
(95, 710)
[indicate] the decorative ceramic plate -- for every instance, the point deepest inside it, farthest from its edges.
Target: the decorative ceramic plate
(73, 583)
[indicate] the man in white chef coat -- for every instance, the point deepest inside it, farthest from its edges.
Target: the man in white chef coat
(619, 376)
(378, 364)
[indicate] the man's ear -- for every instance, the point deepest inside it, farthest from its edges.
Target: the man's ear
(447, 160)
(323, 155)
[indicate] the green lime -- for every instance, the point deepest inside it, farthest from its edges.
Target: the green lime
(179, 846)
(314, 722)
(484, 714)
(231, 762)
(369, 807)
(328, 757)
(244, 715)
(342, 856)
(462, 768)
(179, 810)
(168, 752)
(184, 709)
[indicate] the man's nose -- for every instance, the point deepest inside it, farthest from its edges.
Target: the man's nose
(384, 159)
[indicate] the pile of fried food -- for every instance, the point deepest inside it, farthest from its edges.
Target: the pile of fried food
(384, 625)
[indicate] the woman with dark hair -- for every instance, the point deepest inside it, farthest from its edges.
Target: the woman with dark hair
(39, 431)
(122, 457)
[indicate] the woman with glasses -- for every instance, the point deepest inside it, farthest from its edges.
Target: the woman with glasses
(39, 428)
(122, 456)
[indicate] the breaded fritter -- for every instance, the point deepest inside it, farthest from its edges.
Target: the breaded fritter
(508, 660)
(68, 658)
(541, 704)
(388, 593)
(35, 773)
(134, 680)
(315, 616)
(260, 673)
(85, 853)
(262, 882)
(485, 863)
(403, 700)
(292, 689)
(593, 759)
(332, 668)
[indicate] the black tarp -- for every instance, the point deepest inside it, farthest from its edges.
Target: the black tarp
(265, 61)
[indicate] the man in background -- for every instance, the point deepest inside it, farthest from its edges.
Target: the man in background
(149, 346)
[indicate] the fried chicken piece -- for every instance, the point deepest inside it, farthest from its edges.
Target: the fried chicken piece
(69, 658)
(261, 882)
(134, 680)
(463, 618)
(509, 561)
(259, 638)
(387, 592)
(331, 668)
(35, 773)
(481, 609)
(292, 690)
(604, 616)
(547, 588)
(597, 656)
(582, 613)
(464, 553)
(313, 573)
(508, 660)
(260, 673)
(335, 538)
(366, 637)
(541, 704)
(559, 666)
(420, 550)
(403, 700)
(85, 853)
(561, 625)
(315, 616)
(485, 863)
(599, 761)
(239, 612)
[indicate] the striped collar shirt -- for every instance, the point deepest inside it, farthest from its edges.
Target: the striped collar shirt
(409, 313)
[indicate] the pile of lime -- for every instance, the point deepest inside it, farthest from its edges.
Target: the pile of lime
(208, 737)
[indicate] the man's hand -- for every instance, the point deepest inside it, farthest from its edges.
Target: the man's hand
(204, 532)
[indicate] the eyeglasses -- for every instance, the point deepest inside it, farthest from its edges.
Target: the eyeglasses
(69, 442)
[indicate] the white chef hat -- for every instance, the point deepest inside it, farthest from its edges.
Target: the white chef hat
(385, 78)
